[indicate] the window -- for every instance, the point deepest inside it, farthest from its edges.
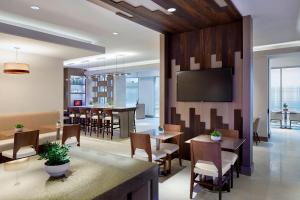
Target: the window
(285, 88)
(132, 91)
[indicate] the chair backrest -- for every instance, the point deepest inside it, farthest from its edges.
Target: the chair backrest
(294, 116)
(23, 139)
(73, 110)
(83, 111)
(95, 111)
(256, 124)
(141, 141)
(229, 133)
(276, 116)
(172, 127)
(107, 112)
(206, 151)
(71, 131)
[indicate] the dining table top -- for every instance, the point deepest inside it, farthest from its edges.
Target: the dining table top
(91, 175)
(162, 135)
(227, 143)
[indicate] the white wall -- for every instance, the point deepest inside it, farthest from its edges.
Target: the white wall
(285, 60)
(260, 91)
(147, 94)
(39, 91)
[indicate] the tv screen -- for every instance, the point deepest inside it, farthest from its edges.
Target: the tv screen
(77, 102)
(212, 85)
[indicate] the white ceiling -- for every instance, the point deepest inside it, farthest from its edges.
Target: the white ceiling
(84, 21)
(27, 45)
(274, 21)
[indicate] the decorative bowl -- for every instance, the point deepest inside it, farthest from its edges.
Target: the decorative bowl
(215, 138)
(57, 170)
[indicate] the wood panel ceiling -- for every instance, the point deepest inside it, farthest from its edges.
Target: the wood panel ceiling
(189, 15)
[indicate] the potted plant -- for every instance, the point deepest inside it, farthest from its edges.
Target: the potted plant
(19, 127)
(57, 159)
(285, 107)
(215, 135)
(160, 128)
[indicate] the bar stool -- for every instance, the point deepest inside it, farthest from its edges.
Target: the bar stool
(73, 115)
(111, 122)
(83, 119)
(96, 123)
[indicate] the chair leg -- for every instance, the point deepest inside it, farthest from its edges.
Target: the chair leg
(220, 188)
(192, 184)
(231, 176)
(179, 158)
(165, 165)
(169, 162)
(237, 165)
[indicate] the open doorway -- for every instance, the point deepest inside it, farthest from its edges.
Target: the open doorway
(284, 97)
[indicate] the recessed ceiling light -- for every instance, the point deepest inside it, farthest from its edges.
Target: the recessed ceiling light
(34, 7)
(171, 9)
(115, 33)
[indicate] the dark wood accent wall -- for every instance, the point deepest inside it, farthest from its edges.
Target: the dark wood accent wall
(223, 41)
(220, 42)
(216, 122)
(190, 14)
(196, 126)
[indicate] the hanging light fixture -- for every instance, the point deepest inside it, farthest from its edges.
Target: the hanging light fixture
(116, 73)
(16, 67)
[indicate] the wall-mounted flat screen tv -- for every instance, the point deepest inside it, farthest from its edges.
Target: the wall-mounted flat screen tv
(211, 85)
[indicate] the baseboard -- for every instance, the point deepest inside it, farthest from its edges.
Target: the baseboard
(247, 170)
(262, 138)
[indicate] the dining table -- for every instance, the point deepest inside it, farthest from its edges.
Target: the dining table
(227, 143)
(162, 135)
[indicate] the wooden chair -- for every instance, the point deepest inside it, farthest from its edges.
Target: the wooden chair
(25, 145)
(231, 157)
(255, 130)
(141, 149)
(172, 146)
(206, 161)
(69, 132)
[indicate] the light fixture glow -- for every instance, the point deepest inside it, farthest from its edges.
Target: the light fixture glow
(277, 46)
(34, 7)
(16, 67)
(115, 33)
(171, 9)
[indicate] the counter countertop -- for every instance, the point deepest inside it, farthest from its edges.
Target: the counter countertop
(91, 175)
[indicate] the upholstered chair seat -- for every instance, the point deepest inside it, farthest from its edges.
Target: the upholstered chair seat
(209, 169)
(169, 148)
(229, 157)
(22, 153)
(156, 154)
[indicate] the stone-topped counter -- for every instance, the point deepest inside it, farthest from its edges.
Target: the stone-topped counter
(93, 175)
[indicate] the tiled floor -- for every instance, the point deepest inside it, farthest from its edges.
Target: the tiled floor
(276, 175)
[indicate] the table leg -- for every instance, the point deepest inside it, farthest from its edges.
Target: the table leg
(157, 144)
